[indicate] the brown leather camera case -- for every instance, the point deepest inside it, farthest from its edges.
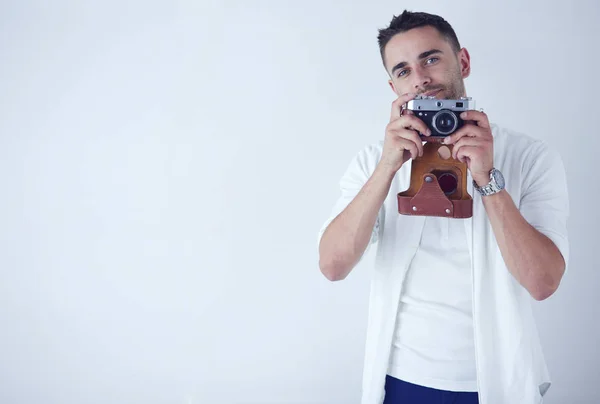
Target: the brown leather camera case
(425, 197)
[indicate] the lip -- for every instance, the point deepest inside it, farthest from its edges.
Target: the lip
(432, 93)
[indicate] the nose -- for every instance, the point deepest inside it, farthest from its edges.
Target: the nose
(420, 79)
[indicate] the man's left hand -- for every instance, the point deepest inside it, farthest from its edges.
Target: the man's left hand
(474, 145)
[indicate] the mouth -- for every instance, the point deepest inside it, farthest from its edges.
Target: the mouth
(432, 93)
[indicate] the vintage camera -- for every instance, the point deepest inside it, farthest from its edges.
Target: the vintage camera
(438, 182)
(441, 116)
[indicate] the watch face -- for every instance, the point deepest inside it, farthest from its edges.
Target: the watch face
(499, 178)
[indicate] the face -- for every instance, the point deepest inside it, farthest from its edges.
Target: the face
(421, 61)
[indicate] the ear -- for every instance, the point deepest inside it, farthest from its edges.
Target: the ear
(464, 59)
(391, 83)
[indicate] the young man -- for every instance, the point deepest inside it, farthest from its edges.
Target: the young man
(450, 317)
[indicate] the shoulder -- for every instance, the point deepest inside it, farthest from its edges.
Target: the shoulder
(367, 158)
(372, 150)
(512, 145)
(523, 157)
(506, 138)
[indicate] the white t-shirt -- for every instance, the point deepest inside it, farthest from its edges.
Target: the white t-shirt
(433, 342)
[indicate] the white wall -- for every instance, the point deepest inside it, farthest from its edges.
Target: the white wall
(166, 167)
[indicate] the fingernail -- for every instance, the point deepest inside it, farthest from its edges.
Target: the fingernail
(446, 140)
(463, 115)
(428, 132)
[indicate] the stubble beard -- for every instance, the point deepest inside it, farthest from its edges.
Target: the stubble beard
(456, 89)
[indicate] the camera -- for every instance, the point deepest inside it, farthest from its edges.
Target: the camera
(440, 115)
(438, 182)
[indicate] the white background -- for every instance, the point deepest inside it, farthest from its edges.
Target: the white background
(166, 166)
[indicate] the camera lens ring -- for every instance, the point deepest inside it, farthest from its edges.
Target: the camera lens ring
(442, 112)
(448, 182)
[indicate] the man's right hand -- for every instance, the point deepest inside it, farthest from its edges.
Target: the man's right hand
(346, 238)
(402, 139)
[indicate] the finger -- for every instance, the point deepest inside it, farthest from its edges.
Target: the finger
(398, 103)
(410, 122)
(408, 137)
(465, 142)
(466, 153)
(411, 147)
(480, 118)
(414, 138)
(467, 130)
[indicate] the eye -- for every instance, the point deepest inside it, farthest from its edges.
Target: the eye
(402, 73)
(431, 60)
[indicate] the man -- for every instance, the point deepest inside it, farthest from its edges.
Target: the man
(450, 317)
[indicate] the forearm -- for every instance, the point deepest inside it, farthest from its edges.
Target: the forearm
(347, 236)
(530, 256)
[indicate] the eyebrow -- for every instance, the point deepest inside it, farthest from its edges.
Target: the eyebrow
(421, 56)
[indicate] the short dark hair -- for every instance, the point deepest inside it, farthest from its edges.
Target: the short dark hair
(409, 20)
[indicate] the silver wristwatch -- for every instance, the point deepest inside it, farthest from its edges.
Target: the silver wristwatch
(495, 185)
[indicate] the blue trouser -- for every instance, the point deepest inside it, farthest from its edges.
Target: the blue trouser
(400, 392)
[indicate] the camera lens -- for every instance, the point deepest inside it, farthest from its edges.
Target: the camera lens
(448, 182)
(445, 122)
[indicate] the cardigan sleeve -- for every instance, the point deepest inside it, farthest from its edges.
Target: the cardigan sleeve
(357, 173)
(544, 199)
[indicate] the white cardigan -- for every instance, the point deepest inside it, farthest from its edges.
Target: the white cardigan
(510, 363)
